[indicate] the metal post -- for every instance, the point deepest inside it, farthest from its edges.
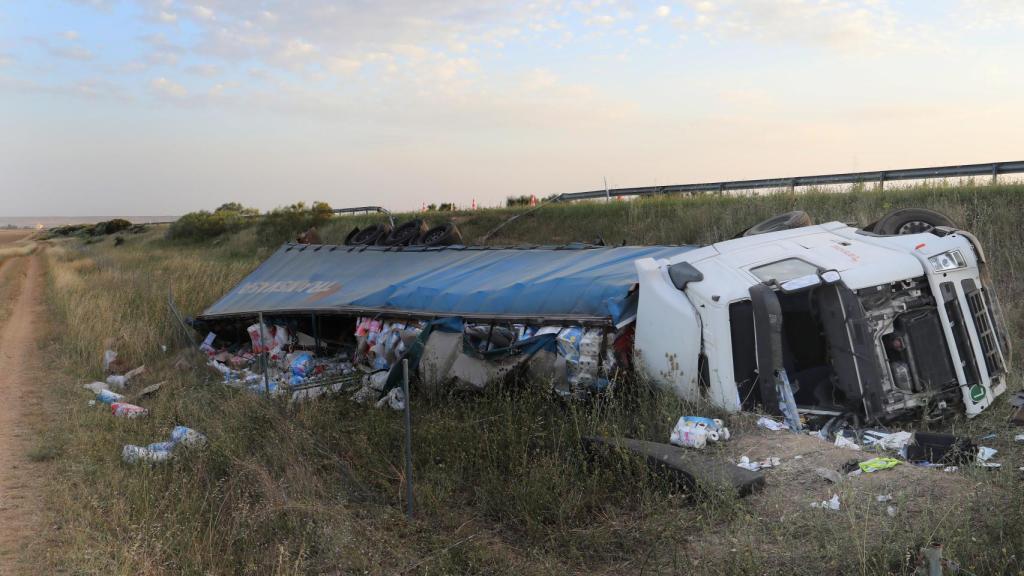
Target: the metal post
(408, 439)
(316, 333)
(266, 358)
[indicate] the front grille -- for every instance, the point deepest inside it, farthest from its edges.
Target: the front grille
(986, 332)
(960, 336)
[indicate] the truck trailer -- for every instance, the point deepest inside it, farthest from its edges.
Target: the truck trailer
(790, 317)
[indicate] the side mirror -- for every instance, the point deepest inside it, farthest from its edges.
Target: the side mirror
(682, 273)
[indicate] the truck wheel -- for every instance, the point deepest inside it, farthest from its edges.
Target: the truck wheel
(348, 239)
(370, 235)
(406, 233)
(910, 221)
(444, 235)
(786, 221)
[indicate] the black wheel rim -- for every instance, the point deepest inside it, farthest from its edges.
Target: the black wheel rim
(914, 227)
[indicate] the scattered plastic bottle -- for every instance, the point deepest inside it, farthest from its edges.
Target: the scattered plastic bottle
(126, 410)
(187, 437)
(153, 453)
(108, 397)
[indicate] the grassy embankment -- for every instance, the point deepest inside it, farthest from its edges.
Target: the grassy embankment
(502, 484)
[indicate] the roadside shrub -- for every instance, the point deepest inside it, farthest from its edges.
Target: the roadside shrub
(203, 225)
(513, 201)
(69, 230)
(110, 227)
(283, 224)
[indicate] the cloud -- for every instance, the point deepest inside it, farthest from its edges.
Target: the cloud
(78, 53)
(168, 17)
(990, 14)
(538, 79)
(203, 13)
(70, 35)
(663, 11)
(297, 49)
(345, 66)
(204, 70)
(866, 27)
(163, 52)
(600, 20)
(167, 88)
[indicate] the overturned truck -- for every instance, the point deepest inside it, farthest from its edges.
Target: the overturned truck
(823, 319)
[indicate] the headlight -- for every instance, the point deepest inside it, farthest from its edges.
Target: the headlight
(947, 261)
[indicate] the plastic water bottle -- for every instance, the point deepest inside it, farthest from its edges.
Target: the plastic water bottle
(108, 397)
(187, 437)
(152, 454)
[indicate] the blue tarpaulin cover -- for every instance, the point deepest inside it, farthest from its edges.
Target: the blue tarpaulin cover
(584, 283)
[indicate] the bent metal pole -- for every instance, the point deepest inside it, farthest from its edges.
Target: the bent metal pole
(408, 438)
(265, 356)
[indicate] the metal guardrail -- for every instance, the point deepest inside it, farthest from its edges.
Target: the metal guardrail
(361, 209)
(367, 209)
(992, 169)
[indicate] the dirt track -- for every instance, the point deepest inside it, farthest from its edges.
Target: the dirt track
(20, 414)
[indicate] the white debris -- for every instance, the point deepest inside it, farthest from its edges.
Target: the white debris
(883, 498)
(844, 442)
(1018, 438)
(891, 511)
(894, 441)
(95, 387)
(395, 399)
(108, 358)
(770, 462)
(832, 504)
(984, 455)
(746, 463)
(770, 424)
(950, 468)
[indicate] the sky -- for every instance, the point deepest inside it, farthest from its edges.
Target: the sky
(120, 107)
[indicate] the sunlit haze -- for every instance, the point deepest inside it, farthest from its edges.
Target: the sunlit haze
(166, 106)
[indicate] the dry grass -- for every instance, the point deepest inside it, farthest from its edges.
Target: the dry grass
(9, 236)
(20, 248)
(503, 485)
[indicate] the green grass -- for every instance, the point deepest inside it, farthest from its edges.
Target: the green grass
(502, 483)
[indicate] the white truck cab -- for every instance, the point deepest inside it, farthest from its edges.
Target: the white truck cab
(846, 320)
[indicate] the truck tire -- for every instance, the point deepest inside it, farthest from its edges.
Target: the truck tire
(348, 239)
(786, 221)
(444, 235)
(910, 221)
(406, 233)
(370, 235)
